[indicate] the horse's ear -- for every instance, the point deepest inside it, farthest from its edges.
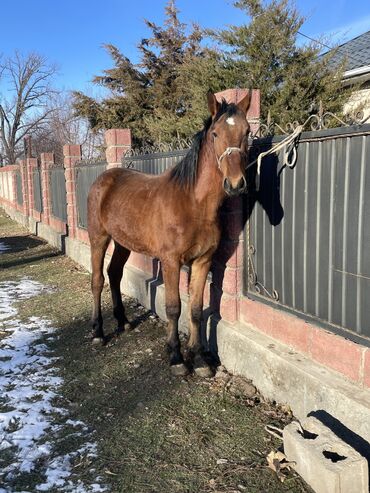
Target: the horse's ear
(213, 104)
(245, 103)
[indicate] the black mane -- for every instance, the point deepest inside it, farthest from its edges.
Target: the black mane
(186, 171)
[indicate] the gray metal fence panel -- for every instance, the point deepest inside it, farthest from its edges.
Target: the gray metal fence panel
(85, 175)
(37, 191)
(18, 179)
(58, 193)
(316, 258)
(156, 163)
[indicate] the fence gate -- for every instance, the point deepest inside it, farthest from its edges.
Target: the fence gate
(308, 233)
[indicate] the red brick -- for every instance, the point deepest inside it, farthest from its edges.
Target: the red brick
(232, 225)
(114, 154)
(291, 330)
(110, 248)
(69, 175)
(237, 258)
(236, 95)
(229, 308)
(9, 167)
(257, 314)
(336, 352)
(57, 224)
(70, 187)
(118, 136)
(254, 110)
(206, 294)
(366, 368)
(47, 157)
(184, 282)
(141, 262)
(230, 253)
(82, 235)
(73, 150)
(227, 279)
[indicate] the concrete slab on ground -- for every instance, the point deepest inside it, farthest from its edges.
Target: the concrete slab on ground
(323, 460)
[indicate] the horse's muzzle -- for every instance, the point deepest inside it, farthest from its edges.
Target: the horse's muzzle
(239, 189)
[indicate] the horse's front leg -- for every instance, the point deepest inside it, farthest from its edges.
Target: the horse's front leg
(199, 271)
(171, 276)
(98, 248)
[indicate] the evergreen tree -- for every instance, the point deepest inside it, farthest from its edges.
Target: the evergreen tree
(263, 53)
(162, 98)
(128, 102)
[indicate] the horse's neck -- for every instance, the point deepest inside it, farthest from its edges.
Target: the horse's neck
(208, 191)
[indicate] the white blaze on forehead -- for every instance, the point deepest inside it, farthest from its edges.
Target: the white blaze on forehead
(230, 120)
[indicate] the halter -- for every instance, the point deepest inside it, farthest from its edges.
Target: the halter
(227, 152)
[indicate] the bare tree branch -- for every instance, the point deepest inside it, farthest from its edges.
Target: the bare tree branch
(28, 108)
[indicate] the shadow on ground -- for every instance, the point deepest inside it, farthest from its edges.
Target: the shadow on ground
(155, 433)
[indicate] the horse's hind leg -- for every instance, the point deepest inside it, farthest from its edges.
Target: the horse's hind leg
(115, 271)
(98, 249)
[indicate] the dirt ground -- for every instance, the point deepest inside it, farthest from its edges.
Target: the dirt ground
(154, 433)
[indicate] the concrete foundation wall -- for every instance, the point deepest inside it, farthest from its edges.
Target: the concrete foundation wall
(50, 235)
(280, 373)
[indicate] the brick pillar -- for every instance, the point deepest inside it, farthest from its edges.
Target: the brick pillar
(23, 170)
(118, 141)
(227, 267)
(235, 95)
(47, 160)
(72, 154)
(31, 164)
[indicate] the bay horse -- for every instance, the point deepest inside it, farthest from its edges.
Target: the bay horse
(172, 217)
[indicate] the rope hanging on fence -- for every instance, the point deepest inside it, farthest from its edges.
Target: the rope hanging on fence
(290, 152)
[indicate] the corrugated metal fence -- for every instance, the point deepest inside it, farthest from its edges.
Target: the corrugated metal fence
(308, 234)
(86, 173)
(58, 193)
(156, 163)
(18, 180)
(37, 193)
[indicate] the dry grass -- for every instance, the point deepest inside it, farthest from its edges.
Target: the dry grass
(155, 433)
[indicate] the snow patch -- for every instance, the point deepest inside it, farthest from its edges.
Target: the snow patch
(29, 385)
(4, 247)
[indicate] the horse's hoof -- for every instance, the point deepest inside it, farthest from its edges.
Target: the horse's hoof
(204, 372)
(98, 341)
(179, 370)
(126, 327)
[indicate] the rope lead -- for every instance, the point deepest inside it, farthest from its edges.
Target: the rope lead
(290, 153)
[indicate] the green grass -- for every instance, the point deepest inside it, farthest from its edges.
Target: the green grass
(154, 433)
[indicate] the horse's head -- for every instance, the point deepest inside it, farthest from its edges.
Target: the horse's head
(229, 132)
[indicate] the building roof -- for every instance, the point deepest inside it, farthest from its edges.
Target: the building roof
(356, 52)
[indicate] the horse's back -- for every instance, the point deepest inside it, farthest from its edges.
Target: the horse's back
(123, 199)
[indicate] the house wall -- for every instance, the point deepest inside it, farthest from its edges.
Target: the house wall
(359, 101)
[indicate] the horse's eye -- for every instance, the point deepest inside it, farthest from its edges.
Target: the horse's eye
(214, 135)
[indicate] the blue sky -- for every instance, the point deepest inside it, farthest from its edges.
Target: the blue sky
(71, 33)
